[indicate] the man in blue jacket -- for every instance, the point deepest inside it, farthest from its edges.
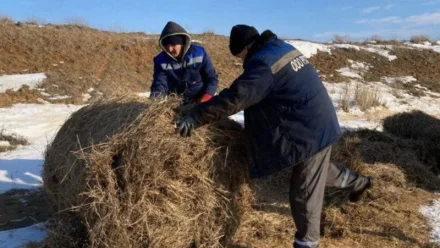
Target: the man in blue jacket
(182, 68)
(289, 121)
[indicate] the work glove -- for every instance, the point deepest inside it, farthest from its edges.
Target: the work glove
(205, 97)
(185, 125)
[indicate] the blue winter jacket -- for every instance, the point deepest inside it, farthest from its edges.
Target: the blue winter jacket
(192, 78)
(288, 113)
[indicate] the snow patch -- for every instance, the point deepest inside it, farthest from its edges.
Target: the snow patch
(42, 101)
(421, 87)
(361, 123)
(86, 97)
(349, 73)
(436, 48)
(359, 65)
(143, 94)
(15, 82)
(432, 212)
(18, 237)
(57, 97)
(346, 46)
(45, 94)
(308, 49)
(22, 167)
(380, 51)
(405, 79)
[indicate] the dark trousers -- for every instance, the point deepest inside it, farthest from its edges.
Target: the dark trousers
(306, 194)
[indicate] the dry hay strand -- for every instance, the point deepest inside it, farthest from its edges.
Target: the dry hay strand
(269, 222)
(119, 176)
(388, 215)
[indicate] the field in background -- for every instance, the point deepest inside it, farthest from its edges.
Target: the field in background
(369, 82)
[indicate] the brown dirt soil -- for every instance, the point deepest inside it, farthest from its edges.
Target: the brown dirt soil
(23, 95)
(327, 66)
(423, 64)
(77, 58)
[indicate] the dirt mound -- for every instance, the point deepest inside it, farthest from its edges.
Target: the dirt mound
(118, 176)
(327, 66)
(23, 95)
(77, 58)
(423, 64)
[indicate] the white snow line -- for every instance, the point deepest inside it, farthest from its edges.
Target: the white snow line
(15, 82)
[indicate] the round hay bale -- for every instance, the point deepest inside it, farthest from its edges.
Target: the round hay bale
(424, 132)
(119, 176)
(413, 125)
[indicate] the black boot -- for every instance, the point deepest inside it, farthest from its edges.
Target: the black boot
(363, 184)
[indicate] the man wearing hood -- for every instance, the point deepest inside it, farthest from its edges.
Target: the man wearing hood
(289, 121)
(182, 67)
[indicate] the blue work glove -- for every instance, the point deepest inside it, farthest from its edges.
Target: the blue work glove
(185, 125)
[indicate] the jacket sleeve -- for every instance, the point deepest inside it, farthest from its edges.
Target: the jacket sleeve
(159, 87)
(209, 75)
(248, 89)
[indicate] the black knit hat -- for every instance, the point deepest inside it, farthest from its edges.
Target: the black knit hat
(241, 36)
(174, 40)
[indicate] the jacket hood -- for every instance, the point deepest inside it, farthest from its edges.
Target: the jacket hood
(173, 28)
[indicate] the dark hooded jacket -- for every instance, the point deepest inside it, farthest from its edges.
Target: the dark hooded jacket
(288, 113)
(191, 77)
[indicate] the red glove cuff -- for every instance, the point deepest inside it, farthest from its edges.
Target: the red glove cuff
(205, 97)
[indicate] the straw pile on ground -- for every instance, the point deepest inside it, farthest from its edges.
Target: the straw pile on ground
(386, 216)
(422, 130)
(118, 176)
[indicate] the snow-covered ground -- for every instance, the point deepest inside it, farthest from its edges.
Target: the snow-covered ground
(309, 48)
(432, 212)
(18, 237)
(15, 82)
(21, 168)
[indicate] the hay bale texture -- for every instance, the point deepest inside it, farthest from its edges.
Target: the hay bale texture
(118, 176)
(422, 130)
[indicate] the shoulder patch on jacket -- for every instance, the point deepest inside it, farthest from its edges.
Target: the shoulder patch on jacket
(283, 61)
(276, 54)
